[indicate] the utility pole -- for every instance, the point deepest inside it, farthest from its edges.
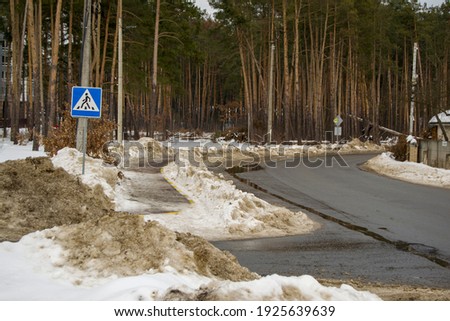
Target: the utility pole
(413, 89)
(120, 80)
(270, 95)
(85, 70)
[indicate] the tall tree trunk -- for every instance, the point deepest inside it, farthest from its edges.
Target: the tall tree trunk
(53, 67)
(7, 97)
(333, 66)
(287, 82)
(17, 54)
(96, 42)
(29, 88)
(33, 45)
(247, 99)
(112, 105)
(105, 45)
(190, 102)
(154, 98)
(297, 77)
(69, 49)
(41, 69)
(204, 93)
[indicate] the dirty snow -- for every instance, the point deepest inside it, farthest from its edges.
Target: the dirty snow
(95, 259)
(358, 145)
(125, 258)
(34, 195)
(385, 164)
(221, 211)
(96, 171)
(36, 270)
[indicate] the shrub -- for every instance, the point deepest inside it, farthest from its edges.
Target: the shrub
(99, 132)
(400, 150)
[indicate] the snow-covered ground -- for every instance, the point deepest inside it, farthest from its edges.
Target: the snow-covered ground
(9, 151)
(231, 153)
(34, 269)
(221, 211)
(40, 266)
(95, 172)
(385, 164)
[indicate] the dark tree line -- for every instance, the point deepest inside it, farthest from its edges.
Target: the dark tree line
(331, 57)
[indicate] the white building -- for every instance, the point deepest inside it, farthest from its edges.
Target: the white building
(444, 117)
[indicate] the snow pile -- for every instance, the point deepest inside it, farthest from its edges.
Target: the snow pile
(151, 148)
(358, 145)
(411, 140)
(96, 172)
(411, 172)
(145, 149)
(95, 253)
(34, 195)
(221, 211)
(280, 288)
(119, 245)
(95, 261)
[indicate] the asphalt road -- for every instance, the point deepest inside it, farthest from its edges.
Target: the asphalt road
(374, 228)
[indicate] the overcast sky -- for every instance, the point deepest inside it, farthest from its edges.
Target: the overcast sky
(203, 4)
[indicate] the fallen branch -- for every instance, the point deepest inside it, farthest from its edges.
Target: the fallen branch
(385, 129)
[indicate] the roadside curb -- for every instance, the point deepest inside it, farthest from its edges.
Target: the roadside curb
(176, 188)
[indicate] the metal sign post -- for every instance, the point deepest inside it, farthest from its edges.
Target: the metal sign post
(337, 126)
(84, 151)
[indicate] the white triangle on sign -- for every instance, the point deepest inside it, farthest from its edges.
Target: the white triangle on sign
(86, 102)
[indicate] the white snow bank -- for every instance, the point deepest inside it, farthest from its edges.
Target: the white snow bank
(280, 288)
(411, 140)
(36, 270)
(96, 172)
(221, 211)
(408, 171)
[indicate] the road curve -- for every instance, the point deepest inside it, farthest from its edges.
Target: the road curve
(414, 215)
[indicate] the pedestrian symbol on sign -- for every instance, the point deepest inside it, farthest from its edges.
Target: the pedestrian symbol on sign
(86, 102)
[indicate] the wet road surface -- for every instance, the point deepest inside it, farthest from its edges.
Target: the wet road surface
(374, 229)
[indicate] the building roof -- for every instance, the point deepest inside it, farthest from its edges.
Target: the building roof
(444, 117)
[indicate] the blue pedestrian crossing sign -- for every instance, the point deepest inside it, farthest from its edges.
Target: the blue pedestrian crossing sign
(86, 102)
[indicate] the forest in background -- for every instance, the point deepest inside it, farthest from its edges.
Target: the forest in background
(330, 57)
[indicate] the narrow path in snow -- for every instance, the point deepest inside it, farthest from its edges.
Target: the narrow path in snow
(144, 190)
